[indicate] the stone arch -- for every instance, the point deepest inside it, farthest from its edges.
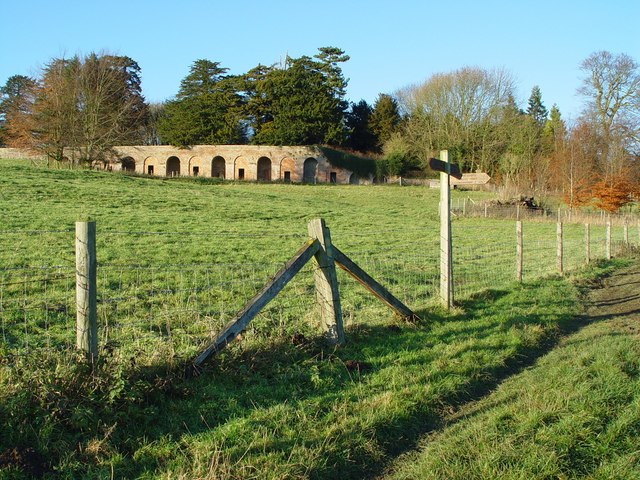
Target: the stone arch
(264, 169)
(218, 167)
(173, 166)
(310, 170)
(151, 166)
(196, 167)
(288, 172)
(354, 179)
(241, 169)
(128, 164)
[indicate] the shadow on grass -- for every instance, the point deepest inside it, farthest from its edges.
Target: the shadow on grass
(162, 406)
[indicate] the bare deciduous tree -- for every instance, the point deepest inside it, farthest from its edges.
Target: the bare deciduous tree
(457, 111)
(611, 88)
(82, 107)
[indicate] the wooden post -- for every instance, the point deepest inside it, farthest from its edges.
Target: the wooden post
(86, 315)
(326, 280)
(264, 296)
(608, 241)
(485, 210)
(370, 284)
(446, 269)
(519, 253)
(626, 234)
(464, 207)
(559, 248)
(587, 242)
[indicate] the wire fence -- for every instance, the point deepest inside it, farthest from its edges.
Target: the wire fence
(527, 210)
(163, 295)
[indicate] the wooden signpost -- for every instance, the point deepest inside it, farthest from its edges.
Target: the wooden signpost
(471, 179)
(446, 170)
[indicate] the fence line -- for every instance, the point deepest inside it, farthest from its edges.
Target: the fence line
(152, 309)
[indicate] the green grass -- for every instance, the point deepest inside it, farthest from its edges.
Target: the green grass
(575, 414)
(176, 259)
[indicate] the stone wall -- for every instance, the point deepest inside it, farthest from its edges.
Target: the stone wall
(12, 153)
(301, 164)
(234, 162)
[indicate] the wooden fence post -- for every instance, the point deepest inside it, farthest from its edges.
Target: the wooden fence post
(446, 268)
(559, 248)
(326, 280)
(608, 241)
(587, 242)
(86, 315)
(519, 253)
(626, 234)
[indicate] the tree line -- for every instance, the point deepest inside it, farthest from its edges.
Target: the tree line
(88, 104)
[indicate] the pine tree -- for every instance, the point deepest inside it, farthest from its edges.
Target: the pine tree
(384, 119)
(536, 108)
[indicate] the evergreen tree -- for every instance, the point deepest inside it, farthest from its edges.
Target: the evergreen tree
(300, 104)
(536, 108)
(360, 136)
(207, 110)
(16, 99)
(384, 120)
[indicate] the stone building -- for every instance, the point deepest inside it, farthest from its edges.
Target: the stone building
(302, 164)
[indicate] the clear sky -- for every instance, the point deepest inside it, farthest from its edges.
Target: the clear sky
(392, 44)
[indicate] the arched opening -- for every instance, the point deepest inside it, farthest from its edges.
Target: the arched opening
(173, 167)
(128, 164)
(264, 169)
(354, 179)
(218, 167)
(310, 170)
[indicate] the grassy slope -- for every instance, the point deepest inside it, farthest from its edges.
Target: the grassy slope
(576, 414)
(283, 408)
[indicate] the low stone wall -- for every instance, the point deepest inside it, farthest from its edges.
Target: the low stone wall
(18, 153)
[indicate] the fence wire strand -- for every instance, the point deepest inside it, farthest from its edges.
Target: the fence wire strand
(152, 304)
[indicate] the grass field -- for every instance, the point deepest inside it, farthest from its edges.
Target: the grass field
(575, 414)
(178, 257)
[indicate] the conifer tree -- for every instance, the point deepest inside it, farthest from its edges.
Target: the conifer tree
(536, 108)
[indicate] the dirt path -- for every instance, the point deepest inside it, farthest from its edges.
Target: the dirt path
(618, 299)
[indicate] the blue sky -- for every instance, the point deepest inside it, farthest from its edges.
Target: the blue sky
(392, 44)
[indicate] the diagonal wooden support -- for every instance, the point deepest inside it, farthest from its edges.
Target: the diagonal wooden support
(370, 284)
(264, 296)
(327, 293)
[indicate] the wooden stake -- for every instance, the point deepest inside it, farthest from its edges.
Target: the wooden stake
(587, 242)
(519, 252)
(370, 284)
(626, 234)
(327, 294)
(608, 241)
(264, 296)
(86, 297)
(559, 248)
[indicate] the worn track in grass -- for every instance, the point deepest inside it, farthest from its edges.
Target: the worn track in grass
(613, 303)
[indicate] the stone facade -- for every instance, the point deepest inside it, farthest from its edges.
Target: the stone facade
(235, 162)
(301, 164)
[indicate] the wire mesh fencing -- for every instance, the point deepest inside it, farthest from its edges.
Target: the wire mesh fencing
(164, 295)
